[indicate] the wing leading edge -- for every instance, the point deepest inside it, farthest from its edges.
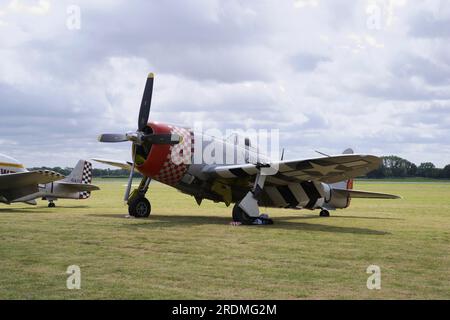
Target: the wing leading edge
(327, 169)
(15, 186)
(24, 179)
(116, 163)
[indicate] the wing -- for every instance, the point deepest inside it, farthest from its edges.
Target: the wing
(117, 163)
(78, 187)
(365, 194)
(327, 169)
(17, 185)
(24, 179)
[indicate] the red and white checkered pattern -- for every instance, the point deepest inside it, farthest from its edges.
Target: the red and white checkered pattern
(178, 159)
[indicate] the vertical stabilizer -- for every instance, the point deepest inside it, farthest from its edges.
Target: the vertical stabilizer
(346, 184)
(82, 173)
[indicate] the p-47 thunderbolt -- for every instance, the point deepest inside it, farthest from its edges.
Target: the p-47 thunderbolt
(251, 180)
(17, 184)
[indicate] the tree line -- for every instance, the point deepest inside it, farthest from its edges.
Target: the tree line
(99, 173)
(391, 167)
(396, 167)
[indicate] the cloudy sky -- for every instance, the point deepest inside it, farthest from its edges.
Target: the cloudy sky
(372, 75)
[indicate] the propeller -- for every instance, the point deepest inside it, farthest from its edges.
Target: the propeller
(144, 111)
(139, 137)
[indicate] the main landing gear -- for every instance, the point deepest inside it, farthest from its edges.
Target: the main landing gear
(138, 205)
(246, 211)
(239, 215)
(51, 204)
(324, 213)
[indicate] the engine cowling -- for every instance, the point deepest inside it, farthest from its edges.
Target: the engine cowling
(162, 162)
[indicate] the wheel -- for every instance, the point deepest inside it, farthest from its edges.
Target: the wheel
(139, 208)
(51, 205)
(324, 213)
(240, 215)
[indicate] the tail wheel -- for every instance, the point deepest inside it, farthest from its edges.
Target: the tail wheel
(240, 215)
(139, 207)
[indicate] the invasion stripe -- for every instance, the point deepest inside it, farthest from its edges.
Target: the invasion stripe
(298, 192)
(276, 197)
(312, 193)
(250, 170)
(238, 172)
(288, 195)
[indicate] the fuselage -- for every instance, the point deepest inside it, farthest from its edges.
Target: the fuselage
(183, 167)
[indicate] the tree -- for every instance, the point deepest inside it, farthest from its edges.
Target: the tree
(393, 166)
(445, 173)
(427, 170)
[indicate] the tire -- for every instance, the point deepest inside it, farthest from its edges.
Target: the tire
(51, 205)
(140, 208)
(324, 213)
(240, 215)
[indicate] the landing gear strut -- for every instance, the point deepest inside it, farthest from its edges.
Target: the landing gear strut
(324, 213)
(138, 205)
(246, 211)
(51, 204)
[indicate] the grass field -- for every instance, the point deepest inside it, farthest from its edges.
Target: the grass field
(184, 251)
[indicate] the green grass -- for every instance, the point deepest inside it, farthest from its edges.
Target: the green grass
(184, 251)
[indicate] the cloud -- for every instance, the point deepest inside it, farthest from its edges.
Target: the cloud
(307, 62)
(30, 7)
(426, 25)
(313, 69)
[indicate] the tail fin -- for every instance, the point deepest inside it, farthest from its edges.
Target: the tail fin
(82, 173)
(346, 184)
(349, 181)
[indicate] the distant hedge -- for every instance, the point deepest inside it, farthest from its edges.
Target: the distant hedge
(396, 167)
(103, 173)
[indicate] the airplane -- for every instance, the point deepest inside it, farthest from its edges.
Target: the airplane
(250, 182)
(17, 184)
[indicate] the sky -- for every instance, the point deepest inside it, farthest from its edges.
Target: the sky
(371, 75)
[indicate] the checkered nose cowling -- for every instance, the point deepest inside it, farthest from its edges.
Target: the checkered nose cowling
(86, 179)
(168, 164)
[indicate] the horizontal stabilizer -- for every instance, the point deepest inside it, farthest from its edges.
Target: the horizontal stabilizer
(365, 194)
(78, 187)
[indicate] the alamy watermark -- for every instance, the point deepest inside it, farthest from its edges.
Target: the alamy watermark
(73, 21)
(227, 147)
(74, 279)
(374, 280)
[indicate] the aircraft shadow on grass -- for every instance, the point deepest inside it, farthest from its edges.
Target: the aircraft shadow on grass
(158, 221)
(45, 209)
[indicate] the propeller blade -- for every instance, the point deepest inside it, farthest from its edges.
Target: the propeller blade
(163, 138)
(146, 103)
(130, 181)
(112, 137)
